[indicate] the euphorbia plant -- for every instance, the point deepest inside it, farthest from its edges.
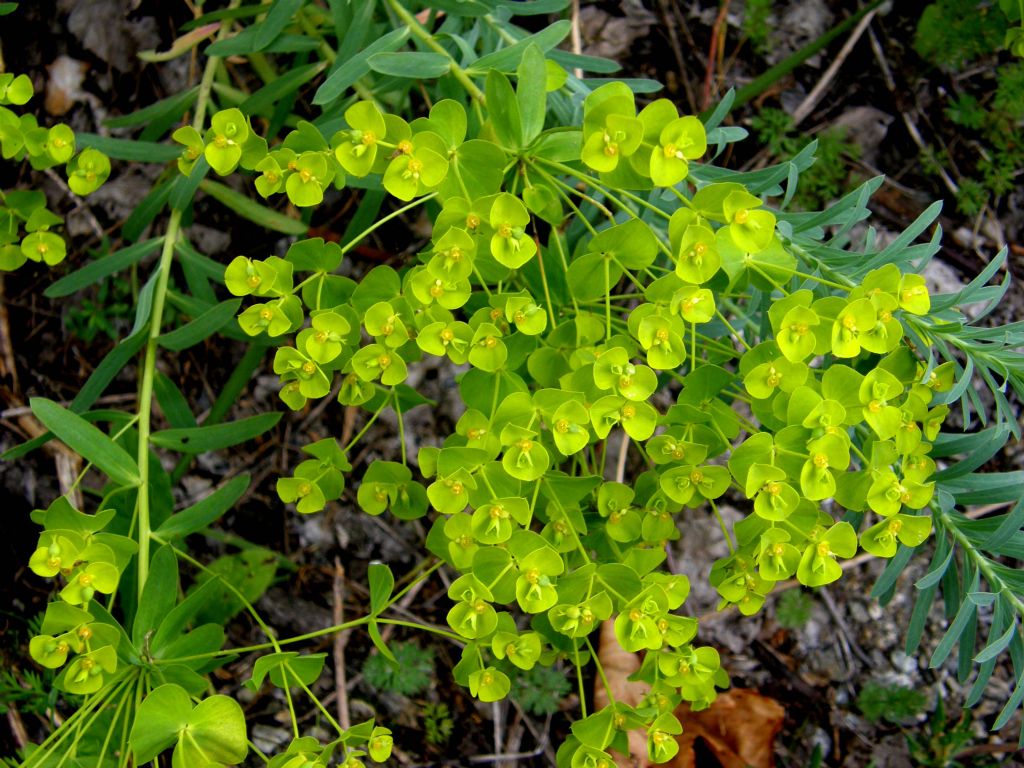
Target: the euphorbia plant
(635, 333)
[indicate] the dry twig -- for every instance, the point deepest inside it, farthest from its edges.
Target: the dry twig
(812, 99)
(340, 641)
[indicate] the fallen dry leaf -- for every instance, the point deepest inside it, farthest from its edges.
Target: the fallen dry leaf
(64, 86)
(618, 665)
(739, 729)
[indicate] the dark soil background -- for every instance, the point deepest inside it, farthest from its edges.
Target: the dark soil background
(886, 98)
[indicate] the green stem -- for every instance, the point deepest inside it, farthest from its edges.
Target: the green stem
(428, 40)
(600, 671)
(366, 427)
(394, 214)
(721, 524)
(579, 680)
(608, 297)
(145, 405)
(146, 396)
(596, 184)
(995, 582)
(232, 589)
(401, 425)
(733, 331)
(316, 702)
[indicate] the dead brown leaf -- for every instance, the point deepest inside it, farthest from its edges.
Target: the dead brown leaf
(618, 665)
(739, 729)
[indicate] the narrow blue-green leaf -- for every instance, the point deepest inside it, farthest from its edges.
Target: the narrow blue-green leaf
(572, 61)
(129, 149)
(893, 569)
(918, 617)
(936, 572)
(100, 268)
(997, 645)
(183, 188)
(278, 17)
(185, 611)
(172, 105)
(981, 599)
(272, 92)
(144, 308)
(147, 210)
(954, 443)
(962, 622)
(341, 79)
(721, 110)
(251, 210)
(1011, 523)
(104, 373)
(507, 59)
(159, 594)
(987, 667)
(463, 8)
(995, 439)
(244, 42)
(356, 31)
(205, 511)
(203, 439)
(1012, 703)
(503, 109)
(639, 85)
(533, 7)
(990, 488)
(531, 77)
(224, 14)
(412, 64)
(172, 403)
(204, 265)
(200, 329)
(87, 441)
